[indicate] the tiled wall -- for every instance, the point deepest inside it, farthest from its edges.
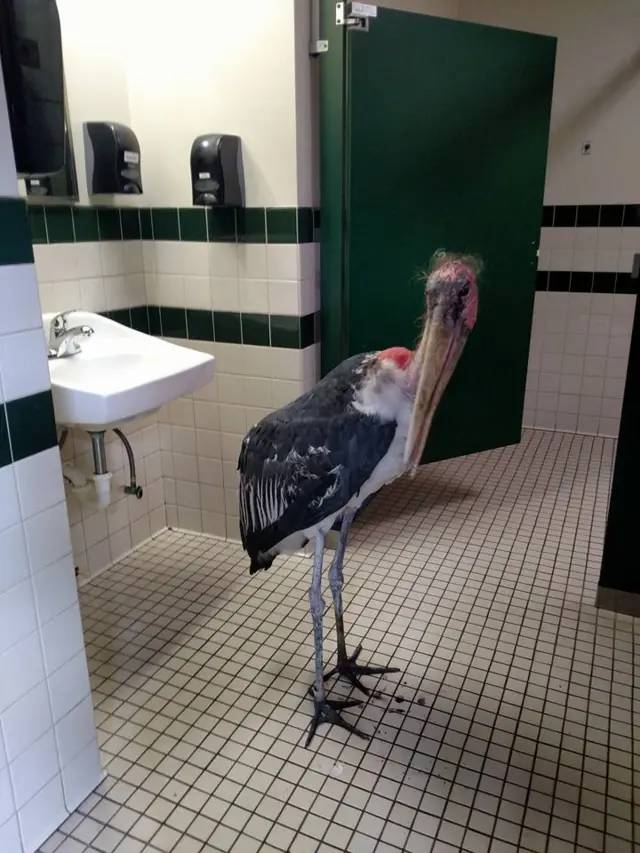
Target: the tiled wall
(583, 317)
(91, 259)
(49, 759)
(252, 302)
(242, 286)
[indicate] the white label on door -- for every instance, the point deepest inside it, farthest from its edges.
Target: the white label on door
(131, 157)
(363, 10)
(204, 175)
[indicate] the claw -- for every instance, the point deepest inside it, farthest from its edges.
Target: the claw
(328, 711)
(350, 670)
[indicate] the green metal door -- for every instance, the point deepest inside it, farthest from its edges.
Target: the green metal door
(434, 134)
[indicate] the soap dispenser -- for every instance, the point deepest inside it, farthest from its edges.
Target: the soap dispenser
(112, 157)
(217, 176)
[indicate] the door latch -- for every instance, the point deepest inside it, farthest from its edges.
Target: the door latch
(355, 16)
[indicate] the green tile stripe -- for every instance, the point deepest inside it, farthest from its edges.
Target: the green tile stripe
(15, 238)
(222, 326)
(27, 427)
(83, 223)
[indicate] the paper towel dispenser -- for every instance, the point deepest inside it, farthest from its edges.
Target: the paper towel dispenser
(217, 176)
(112, 157)
(31, 56)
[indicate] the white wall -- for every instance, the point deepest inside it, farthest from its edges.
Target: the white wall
(94, 66)
(596, 94)
(205, 68)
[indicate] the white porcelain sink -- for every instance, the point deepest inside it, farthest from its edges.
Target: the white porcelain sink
(120, 374)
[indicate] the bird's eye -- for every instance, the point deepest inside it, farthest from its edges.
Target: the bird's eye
(464, 290)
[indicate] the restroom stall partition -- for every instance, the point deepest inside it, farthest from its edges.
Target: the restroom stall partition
(434, 135)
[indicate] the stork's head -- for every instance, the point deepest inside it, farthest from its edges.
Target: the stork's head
(451, 295)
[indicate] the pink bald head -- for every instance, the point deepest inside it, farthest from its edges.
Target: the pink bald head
(452, 285)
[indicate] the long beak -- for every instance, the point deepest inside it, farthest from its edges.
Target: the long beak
(434, 363)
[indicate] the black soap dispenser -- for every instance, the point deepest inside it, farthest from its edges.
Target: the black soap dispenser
(112, 157)
(217, 175)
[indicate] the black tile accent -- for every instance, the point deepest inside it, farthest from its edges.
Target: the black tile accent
(559, 281)
(307, 330)
(305, 225)
(109, 226)
(565, 216)
(5, 446)
(316, 218)
(223, 326)
(32, 425)
(227, 327)
(631, 218)
(140, 319)
(37, 223)
(120, 315)
(581, 282)
(626, 284)
(59, 224)
(221, 225)
(199, 324)
(15, 233)
(85, 224)
(542, 280)
(255, 329)
(588, 215)
(282, 225)
(165, 223)
(285, 331)
(592, 215)
(604, 282)
(174, 322)
(155, 324)
(146, 228)
(611, 215)
(130, 223)
(251, 225)
(585, 282)
(193, 224)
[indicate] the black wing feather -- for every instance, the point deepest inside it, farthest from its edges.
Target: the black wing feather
(313, 454)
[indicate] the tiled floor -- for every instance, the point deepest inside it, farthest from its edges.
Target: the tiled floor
(511, 727)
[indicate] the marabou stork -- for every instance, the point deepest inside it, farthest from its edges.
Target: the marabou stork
(317, 459)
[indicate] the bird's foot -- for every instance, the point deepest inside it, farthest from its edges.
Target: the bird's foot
(350, 670)
(328, 711)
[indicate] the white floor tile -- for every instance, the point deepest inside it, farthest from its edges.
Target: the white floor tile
(511, 726)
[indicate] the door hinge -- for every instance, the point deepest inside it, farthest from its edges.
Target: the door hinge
(355, 16)
(318, 46)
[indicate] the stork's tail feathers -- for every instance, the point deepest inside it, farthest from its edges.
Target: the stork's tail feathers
(261, 562)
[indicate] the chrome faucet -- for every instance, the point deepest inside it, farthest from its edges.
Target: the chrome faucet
(62, 339)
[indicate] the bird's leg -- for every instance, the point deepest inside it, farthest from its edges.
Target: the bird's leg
(347, 666)
(325, 710)
(336, 582)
